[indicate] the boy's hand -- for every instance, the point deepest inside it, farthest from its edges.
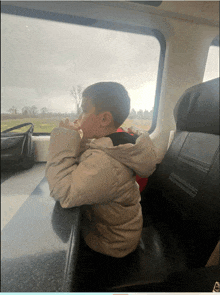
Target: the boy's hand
(69, 125)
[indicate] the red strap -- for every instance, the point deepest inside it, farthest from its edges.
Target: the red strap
(120, 130)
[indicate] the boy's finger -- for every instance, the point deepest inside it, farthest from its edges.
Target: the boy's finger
(73, 126)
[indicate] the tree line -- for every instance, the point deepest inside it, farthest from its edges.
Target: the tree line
(32, 112)
(141, 114)
(28, 111)
(76, 93)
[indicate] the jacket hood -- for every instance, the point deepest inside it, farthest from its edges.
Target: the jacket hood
(141, 157)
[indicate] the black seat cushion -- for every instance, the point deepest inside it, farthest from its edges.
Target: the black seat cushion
(197, 280)
(159, 254)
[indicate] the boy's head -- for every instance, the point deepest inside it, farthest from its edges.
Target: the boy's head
(105, 106)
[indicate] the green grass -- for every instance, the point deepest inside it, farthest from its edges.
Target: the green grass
(41, 125)
(46, 125)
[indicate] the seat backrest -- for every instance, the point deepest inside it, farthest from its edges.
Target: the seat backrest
(190, 169)
(188, 176)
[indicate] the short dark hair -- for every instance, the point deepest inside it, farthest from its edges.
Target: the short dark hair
(109, 96)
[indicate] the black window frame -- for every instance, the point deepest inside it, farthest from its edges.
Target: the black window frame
(66, 18)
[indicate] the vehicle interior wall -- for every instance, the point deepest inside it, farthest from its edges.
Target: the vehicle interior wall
(185, 60)
(203, 12)
(188, 28)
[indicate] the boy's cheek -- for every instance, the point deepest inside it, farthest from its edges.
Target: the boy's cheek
(88, 131)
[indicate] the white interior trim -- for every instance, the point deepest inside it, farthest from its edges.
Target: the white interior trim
(41, 147)
(16, 190)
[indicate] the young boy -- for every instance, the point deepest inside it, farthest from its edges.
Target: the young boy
(89, 163)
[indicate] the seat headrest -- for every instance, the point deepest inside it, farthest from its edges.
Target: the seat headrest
(197, 110)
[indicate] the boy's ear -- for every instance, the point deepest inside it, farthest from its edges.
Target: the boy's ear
(106, 119)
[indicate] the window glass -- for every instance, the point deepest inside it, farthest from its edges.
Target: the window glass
(46, 65)
(212, 64)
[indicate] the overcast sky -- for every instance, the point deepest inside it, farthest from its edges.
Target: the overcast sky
(42, 60)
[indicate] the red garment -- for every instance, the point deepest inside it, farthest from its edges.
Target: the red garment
(141, 181)
(120, 130)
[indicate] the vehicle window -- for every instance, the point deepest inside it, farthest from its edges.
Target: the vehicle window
(212, 63)
(47, 64)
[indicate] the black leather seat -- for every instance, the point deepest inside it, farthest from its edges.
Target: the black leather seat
(158, 255)
(181, 205)
(197, 280)
(186, 183)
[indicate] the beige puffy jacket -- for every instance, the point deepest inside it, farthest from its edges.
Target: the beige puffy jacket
(101, 176)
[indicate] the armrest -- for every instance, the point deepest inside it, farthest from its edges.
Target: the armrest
(39, 246)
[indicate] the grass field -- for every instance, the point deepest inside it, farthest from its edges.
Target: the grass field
(46, 125)
(43, 125)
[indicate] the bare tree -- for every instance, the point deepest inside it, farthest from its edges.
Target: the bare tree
(76, 92)
(146, 115)
(44, 111)
(34, 110)
(30, 111)
(13, 110)
(26, 111)
(140, 114)
(133, 114)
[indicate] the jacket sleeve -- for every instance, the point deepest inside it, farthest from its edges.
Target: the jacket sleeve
(73, 184)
